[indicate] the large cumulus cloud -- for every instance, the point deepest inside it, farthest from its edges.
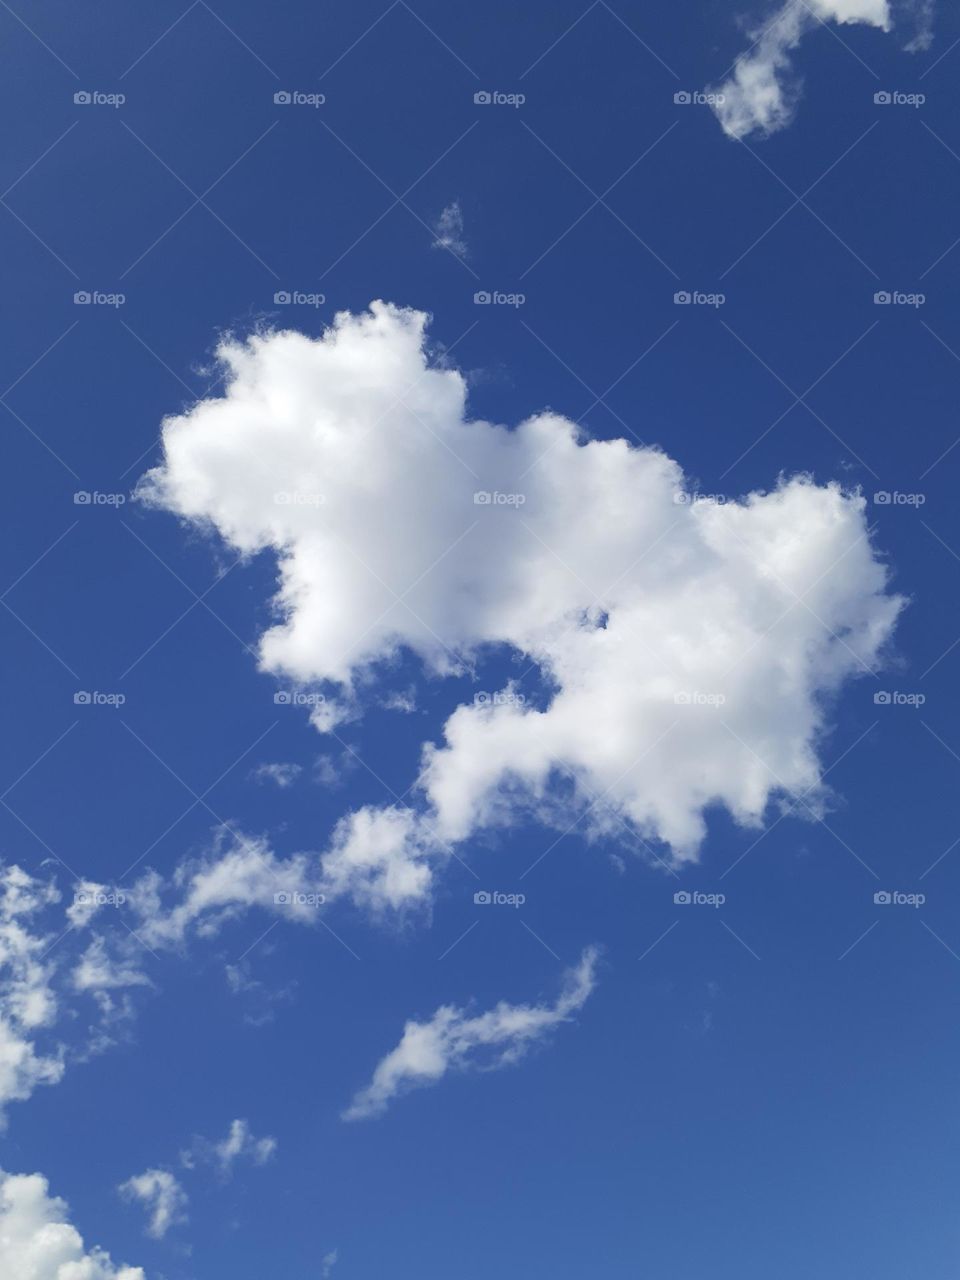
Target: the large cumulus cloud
(689, 648)
(38, 1242)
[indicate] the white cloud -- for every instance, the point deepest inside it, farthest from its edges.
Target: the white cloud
(88, 897)
(239, 1144)
(41, 975)
(762, 92)
(108, 972)
(328, 1263)
(28, 1002)
(37, 1242)
(402, 700)
(237, 874)
(378, 857)
(453, 1040)
(448, 232)
(921, 17)
(283, 774)
(97, 970)
(161, 1195)
(690, 648)
(326, 771)
(260, 1000)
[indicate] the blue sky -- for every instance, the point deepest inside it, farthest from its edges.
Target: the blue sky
(760, 1080)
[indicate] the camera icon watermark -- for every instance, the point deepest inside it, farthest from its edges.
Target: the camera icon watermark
(494, 498)
(485, 898)
(894, 498)
(503, 698)
(682, 499)
(894, 698)
(298, 898)
(696, 98)
(99, 898)
(697, 298)
(298, 298)
(497, 298)
(97, 298)
(894, 98)
(894, 898)
(94, 698)
(694, 898)
(494, 98)
(296, 698)
(297, 98)
(897, 298)
(94, 498)
(94, 98)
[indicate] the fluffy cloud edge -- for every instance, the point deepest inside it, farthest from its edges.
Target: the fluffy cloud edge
(38, 1242)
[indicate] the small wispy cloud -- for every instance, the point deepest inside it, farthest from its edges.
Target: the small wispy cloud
(454, 1040)
(448, 230)
(402, 700)
(325, 772)
(161, 1195)
(282, 774)
(238, 1145)
(922, 18)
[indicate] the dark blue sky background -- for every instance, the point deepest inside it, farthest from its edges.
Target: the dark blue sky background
(732, 1106)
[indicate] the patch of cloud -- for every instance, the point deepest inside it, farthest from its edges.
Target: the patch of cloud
(117, 1013)
(99, 970)
(205, 893)
(454, 1040)
(326, 772)
(38, 1242)
(45, 976)
(379, 858)
(761, 94)
(261, 1000)
(108, 973)
(28, 1000)
(239, 1145)
(282, 774)
(88, 897)
(920, 15)
(448, 231)
(690, 649)
(402, 700)
(161, 1196)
